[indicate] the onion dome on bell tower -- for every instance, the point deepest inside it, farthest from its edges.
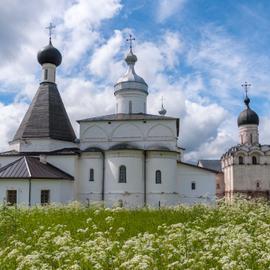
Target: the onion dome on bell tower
(49, 58)
(46, 118)
(49, 55)
(247, 116)
(248, 122)
(131, 90)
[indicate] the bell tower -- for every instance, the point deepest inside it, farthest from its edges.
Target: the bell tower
(248, 122)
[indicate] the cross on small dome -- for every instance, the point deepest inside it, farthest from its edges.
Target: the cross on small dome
(130, 39)
(50, 27)
(49, 54)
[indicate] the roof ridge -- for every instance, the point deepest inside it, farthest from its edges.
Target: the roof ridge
(10, 164)
(32, 168)
(27, 165)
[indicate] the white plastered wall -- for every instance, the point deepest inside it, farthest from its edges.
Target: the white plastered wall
(68, 164)
(163, 194)
(60, 190)
(143, 134)
(205, 181)
(48, 72)
(137, 99)
(249, 134)
(131, 192)
(90, 191)
(39, 145)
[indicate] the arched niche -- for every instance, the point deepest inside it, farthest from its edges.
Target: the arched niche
(160, 130)
(94, 133)
(126, 131)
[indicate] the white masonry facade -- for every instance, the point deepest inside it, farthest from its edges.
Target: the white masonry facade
(128, 158)
(246, 166)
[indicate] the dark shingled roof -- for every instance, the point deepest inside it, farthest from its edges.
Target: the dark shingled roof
(32, 168)
(212, 164)
(46, 117)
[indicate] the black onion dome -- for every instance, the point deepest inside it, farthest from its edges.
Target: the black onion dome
(248, 116)
(49, 54)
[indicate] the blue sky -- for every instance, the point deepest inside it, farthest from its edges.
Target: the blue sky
(194, 53)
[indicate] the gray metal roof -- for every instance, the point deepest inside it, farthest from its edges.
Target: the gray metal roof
(248, 117)
(212, 164)
(130, 80)
(197, 167)
(127, 117)
(46, 117)
(58, 152)
(31, 168)
(263, 148)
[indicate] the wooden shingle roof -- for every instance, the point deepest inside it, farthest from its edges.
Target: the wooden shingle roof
(31, 168)
(46, 117)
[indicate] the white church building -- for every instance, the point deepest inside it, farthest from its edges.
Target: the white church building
(246, 166)
(129, 158)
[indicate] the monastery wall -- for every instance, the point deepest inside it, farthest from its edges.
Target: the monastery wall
(39, 145)
(205, 184)
(60, 191)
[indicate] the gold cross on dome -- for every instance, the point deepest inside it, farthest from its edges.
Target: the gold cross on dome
(50, 27)
(246, 86)
(130, 39)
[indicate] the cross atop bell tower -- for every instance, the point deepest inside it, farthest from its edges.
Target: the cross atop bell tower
(246, 86)
(50, 28)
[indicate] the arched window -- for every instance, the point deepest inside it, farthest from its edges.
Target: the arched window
(122, 174)
(46, 74)
(251, 139)
(91, 175)
(158, 177)
(241, 160)
(193, 186)
(258, 184)
(254, 160)
(130, 106)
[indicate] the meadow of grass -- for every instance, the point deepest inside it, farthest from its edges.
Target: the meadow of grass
(233, 236)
